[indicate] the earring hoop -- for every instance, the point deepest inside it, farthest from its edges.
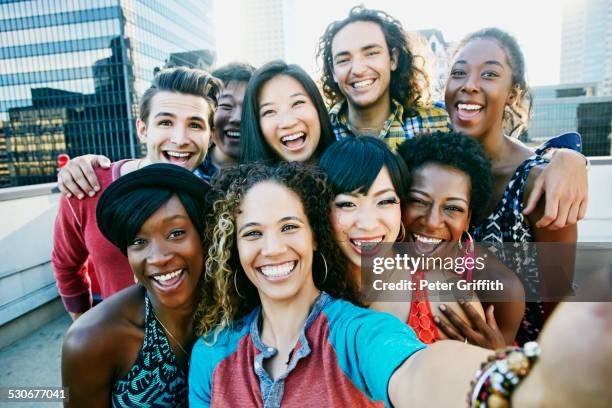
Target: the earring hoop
(469, 247)
(325, 264)
(236, 287)
(402, 233)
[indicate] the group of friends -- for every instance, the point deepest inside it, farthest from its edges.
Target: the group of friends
(245, 226)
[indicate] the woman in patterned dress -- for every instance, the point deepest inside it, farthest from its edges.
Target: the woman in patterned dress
(486, 94)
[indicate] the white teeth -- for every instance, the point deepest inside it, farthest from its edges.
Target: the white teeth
(426, 240)
(294, 136)
(276, 271)
(367, 242)
(168, 276)
(178, 154)
(468, 106)
(363, 84)
(233, 134)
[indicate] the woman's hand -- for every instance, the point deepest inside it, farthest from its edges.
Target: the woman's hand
(477, 331)
(564, 184)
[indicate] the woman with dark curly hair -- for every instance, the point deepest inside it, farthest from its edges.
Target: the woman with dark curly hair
(284, 117)
(451, 185)
(366, 215)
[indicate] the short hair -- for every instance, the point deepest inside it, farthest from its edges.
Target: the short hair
(234, 71)
(409, 83)
(132, 210)
(353, 163)
(253, 146)
(182, 80)
(223, 261)
(458, 151)
(517, 116)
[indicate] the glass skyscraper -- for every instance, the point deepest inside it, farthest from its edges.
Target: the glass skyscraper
(71, 73)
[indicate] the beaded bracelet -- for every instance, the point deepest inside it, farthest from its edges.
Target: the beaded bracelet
(499, 376)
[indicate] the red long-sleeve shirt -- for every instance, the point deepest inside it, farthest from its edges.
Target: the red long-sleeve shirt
(77, 237)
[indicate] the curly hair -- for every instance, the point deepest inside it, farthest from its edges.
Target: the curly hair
(456, 150)
(219, 309)
(516, 116)
(409, 83)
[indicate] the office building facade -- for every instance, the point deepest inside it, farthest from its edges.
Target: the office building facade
(71, 73)
(586, 43)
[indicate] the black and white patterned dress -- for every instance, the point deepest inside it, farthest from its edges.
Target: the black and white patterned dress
(507, 225)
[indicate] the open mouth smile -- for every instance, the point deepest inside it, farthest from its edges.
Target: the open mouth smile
(177, 157)
(366, 246)
(169, 280)
(278, 271)
(363, 84)
(467, 111)
(426, 245)
(294, 141)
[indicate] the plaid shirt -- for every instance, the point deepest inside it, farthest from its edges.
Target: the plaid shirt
(398, 126)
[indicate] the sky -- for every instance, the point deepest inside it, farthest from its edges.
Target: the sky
(535, 23)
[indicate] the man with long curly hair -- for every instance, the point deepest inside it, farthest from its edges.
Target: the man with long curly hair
(372, 80)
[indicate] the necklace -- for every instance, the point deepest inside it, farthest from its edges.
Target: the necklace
(172, 337)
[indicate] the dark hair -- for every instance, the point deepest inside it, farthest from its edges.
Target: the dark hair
(234, 71)
(516, 117)
(409, 83)
(182, 80)
(455, 150)
(253, 146)
(134, 208)
(223, 261)
(353, 163)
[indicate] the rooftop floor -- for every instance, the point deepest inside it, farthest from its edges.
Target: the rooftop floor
(34, 361)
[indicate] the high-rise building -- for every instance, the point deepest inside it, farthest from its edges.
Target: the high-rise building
(71, 73)
(265, 30)
(586, 43)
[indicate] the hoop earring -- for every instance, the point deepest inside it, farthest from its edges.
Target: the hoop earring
(469, 247)
(402, 233)
(236, 287)
(324, 263)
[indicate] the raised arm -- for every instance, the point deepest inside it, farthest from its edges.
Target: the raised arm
(78, 178)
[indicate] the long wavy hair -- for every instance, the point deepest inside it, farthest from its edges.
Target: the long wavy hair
(219, 308)
(409, 82)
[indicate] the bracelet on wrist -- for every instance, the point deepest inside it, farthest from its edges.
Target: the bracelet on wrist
(500, 375)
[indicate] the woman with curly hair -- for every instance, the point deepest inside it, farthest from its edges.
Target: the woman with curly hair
(303, 344)
(284, 117)
(366, 215)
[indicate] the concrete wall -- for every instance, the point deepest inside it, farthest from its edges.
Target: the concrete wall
(26, 230)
